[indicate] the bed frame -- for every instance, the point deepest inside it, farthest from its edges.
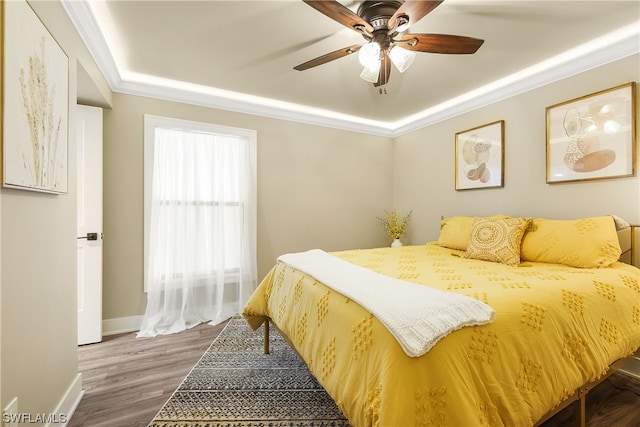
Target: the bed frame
(627, 238)
(580, 396)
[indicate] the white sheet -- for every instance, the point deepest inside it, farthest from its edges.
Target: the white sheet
(417, 316)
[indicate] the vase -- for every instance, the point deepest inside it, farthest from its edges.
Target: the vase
(396, 243)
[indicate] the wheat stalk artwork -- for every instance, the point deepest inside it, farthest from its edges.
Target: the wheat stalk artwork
(35, 107)
(41, 161)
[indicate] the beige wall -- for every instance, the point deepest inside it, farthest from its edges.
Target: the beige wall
(320, 187)
(424, 163)
(38, 326)
(38, 285)
(317, 188)
(39, 344)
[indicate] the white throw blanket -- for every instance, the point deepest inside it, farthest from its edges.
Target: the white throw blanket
(417, 316)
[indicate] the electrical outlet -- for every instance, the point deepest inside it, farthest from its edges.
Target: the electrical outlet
(10, 414)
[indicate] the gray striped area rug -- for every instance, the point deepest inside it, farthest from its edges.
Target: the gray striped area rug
(236, 385)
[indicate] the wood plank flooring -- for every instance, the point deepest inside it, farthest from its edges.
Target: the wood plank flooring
(613, 403)
(128, 379)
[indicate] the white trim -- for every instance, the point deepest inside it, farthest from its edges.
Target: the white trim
(68, 404)
(171, 90)
(632, 368)
(121, 325)
(603, 50)
(85, 22)
(614, 46)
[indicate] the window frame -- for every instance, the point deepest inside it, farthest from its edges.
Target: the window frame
(151, 122)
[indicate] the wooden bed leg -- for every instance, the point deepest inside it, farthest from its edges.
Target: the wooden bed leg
(266, 337)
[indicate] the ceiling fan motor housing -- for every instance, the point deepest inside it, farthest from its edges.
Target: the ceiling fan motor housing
(377, 13)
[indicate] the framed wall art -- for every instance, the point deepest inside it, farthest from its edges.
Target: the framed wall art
(35, 103)
(480, 157)
(592, 137)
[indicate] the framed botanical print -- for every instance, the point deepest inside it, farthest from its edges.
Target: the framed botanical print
(35, 108)
(592, 137)
(480, 157)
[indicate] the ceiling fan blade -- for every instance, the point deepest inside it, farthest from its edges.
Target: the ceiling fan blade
(328, 57)
(415, 10)
(440, 43)
(385, 71)
(340, 14)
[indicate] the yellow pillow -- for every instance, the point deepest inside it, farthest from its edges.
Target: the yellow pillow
(456, 231)
(587, 243)
(497, 240)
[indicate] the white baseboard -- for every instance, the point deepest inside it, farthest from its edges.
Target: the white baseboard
(121, 325)
(632, 368)
(68, 404)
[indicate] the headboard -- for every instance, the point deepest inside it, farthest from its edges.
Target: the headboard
(629, 239)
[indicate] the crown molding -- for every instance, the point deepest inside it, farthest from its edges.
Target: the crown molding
(603, 50)
(83, 19)
(614, 46)
(205, 96)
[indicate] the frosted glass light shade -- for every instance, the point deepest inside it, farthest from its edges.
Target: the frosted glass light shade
(369, 55)
(401, 58)
(370, 74)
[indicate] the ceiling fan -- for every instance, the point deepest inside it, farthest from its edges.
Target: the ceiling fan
(384, 24)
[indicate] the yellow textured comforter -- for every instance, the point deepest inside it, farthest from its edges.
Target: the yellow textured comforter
(556, 328)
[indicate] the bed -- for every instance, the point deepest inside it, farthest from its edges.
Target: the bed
(565, 314)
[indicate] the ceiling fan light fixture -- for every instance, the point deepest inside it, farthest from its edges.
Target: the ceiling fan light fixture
(401, 58)
(370, 74)
(402, 23)
(384, 25)
(369, 55)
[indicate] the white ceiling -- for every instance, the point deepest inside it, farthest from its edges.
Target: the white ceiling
(239, 55)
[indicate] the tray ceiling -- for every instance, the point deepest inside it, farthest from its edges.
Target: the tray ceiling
(239, 55)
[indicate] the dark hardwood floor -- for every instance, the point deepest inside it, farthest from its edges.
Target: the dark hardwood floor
(128, 379)
(613, 403)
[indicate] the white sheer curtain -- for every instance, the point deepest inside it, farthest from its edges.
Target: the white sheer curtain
(201, 264)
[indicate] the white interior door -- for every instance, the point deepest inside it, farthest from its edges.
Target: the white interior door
(89, 147)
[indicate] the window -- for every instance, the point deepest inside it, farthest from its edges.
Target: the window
(200, 215)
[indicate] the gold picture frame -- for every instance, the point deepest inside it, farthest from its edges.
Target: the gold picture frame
(35, 106)
(480, 157)
(592, 137)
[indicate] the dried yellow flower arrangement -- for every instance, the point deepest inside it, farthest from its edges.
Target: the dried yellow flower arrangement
(394, 224)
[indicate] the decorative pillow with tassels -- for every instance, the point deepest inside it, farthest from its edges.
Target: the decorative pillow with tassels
(455, 231)
(497, 240)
